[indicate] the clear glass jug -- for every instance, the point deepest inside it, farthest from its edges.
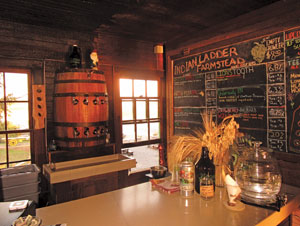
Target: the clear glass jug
(258, 175)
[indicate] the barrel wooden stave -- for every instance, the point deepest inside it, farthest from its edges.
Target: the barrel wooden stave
(77, 87)
(80, 112)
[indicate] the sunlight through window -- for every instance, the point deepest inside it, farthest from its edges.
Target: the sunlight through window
(14, 120)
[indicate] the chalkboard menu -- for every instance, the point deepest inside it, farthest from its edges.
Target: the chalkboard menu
(257, 79)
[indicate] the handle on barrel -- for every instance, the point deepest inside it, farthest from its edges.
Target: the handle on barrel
(86, 131)
(86, 100)
(76, 133)
(96, 101)
(75, 101)
(97, 132)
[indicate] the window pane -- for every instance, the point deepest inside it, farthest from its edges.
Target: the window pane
(16, 85)
(141, 109)
(2, 151)
(139, 88)
(154, 130)
(153, 109)
(125, 87)
(145, 156)
(19, 147)
(2, 117)
(152, 89)
(1, 86)
(142, 131)
(17, 116)
(128, 133)
(127, 110)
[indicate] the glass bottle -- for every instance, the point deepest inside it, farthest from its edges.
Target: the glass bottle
(204, 175)
(75, 57)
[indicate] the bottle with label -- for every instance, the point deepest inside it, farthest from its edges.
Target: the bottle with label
(75, 57)
(204, 175)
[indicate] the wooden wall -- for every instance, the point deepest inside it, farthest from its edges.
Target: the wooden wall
(45, 51)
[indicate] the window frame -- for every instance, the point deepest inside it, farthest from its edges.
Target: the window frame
(147, 120)
(30, 120)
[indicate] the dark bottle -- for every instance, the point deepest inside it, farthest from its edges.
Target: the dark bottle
(205, 175)
(75, 57)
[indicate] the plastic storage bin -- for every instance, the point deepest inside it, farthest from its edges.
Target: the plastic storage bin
(18, 183)
(14, 191)
(34, 197)
(19, 175)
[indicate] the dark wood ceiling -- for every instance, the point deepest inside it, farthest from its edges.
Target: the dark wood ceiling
(158, 21)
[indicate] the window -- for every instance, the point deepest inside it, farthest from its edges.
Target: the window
(141, 122)
(140, 110)
(15, 148)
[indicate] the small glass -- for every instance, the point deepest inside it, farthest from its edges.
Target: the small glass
(175, 175)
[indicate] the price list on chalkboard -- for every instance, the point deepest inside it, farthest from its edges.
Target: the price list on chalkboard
(276, 106)
(258, 80)
(292, 44)
(189, 99)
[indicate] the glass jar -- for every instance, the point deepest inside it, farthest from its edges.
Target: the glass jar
(257, 173)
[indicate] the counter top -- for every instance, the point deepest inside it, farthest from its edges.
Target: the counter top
(143, 205)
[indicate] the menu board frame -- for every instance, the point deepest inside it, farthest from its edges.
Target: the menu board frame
(258, 79)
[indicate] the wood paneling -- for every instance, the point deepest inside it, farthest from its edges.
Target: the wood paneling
(81, 188)
(44, 51)
(290, 167)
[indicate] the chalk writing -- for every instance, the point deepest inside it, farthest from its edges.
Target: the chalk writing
(276, 78)
(292, 35)
(211, 85)
(211, 93)
(275, 67)
(211, 102)
(258, 52)
(210, 75)
(293, 48)
(277, 145)
(275, 47)
(277, 123)
(276, 135)
(236, 72)
(247, 115)
(213, 60)
(293, 63)
(276, 112)
(276, 100)
(235, 77)
(295, 83)
(276, 89)
(238, 96)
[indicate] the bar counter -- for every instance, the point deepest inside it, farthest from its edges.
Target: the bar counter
(143, 205)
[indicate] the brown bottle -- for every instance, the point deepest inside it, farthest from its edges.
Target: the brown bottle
(204, 172)
(75, 57)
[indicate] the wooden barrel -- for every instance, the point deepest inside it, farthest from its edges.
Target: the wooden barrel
(80, 110)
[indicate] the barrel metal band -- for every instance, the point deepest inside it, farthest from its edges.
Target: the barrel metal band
(80, 94)
(80, 70)
(80, 124)
(79, 81)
